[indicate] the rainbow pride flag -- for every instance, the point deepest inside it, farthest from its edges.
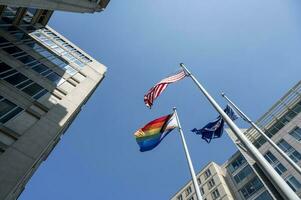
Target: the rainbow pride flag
(155, 131)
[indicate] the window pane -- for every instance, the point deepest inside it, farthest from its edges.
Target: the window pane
(6, 106)
(11, 115)
(264, 196)
(40, 68)
(16, 79)
(4, 67)
(32, 89)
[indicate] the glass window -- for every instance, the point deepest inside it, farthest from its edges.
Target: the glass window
(207, 173)
(6, 106)
(32, 89)
(296, 133)
(16, 79)
(215, 194)
(180, 197)
(239, 161)
(188, 190)
(8, 110)
(274, 162)
(202, 190)
(199, 181)
(55, 78)
(297, 107)
(251, 187)
(191, 198)
(293, 183)
(243, 174)
(12, 50)
(27, 59)
(4, 67)
(40, 68)
(289, 150)
(211, 183)
(261, 140)
(264, 196)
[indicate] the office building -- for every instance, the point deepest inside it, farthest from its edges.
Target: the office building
(81, 6)
(44, 81)
(243, 177)
(212, 183)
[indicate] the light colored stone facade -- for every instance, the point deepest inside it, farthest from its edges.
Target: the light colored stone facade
(241, 175)
(82, 6)
(44, 81)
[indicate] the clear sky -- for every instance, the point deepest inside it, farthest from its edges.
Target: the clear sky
(249, 49)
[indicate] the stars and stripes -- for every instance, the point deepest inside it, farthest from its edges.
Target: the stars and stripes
(156, 90)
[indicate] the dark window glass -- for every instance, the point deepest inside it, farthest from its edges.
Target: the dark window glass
(251, 187)
(3, 40)
(11, 115)
(4, 67)
(243, 174)
(6, 106)
(26, 59)
(12, 50)
(16, 79)
(53, 77)
(42, 93)
(5, 74)
(22, 85)
(240, 160)
(296, 133)
(40, 68)
(264, 196)
(32, 89)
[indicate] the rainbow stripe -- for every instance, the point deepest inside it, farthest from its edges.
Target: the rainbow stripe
(154, 132)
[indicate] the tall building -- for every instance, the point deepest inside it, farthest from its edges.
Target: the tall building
(44, 81)
(82, 6)
(212, 183)
(243, 177)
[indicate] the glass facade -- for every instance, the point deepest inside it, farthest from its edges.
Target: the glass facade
(293, 183)
(281, 122)
(264, 196)
(8, 110)
(296, 133)
(275, 162)
(240, 176)
(289, 150)
(235, 164)
(21, 82)
(61, 47)
(251, 188)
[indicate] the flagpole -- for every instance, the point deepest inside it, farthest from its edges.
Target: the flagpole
(195, 184)
(285, 191)
(247, 119)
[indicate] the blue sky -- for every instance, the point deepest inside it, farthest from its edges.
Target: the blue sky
(249, 49)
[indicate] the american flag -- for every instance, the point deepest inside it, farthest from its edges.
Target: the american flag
(155, 91)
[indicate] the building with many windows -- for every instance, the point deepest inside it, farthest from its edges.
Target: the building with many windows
(82, 6)
(44, 81)
(242, 177)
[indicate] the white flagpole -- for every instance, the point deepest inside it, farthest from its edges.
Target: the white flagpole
(283, 188)
(195, 183)
(247, 119)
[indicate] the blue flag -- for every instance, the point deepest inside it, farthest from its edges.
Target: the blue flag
(215, 129)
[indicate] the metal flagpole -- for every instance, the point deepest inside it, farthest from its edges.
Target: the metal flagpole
(195, 184)
(247, 119)
(283, 188)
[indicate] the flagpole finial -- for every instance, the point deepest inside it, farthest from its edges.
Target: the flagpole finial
(182, 64)
(174, 108)
(223, 94)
